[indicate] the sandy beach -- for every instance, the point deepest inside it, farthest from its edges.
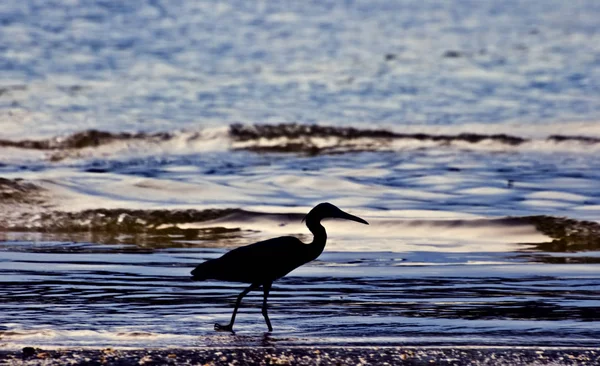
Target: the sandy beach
(304, 356)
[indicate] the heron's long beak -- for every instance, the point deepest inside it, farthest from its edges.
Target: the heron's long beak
(347, 216)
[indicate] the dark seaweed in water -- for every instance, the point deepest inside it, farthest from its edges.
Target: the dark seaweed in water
(568, 235)
(299, 138)
(113, 220)
(19, 191)
(563, 138)
(143, 227)
(79, 140)
(148, 227)
(295, 131)
(349, 139)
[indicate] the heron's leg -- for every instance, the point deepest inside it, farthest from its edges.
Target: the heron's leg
(229, 327)
(266, 290)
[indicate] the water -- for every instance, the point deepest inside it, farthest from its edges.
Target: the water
(466, 133)
(105, 295)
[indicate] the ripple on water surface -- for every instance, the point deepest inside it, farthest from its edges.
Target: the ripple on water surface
(66, 294)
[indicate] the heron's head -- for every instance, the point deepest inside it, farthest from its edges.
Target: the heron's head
(327, 210)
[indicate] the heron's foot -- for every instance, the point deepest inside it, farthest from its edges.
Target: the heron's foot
(224, 328)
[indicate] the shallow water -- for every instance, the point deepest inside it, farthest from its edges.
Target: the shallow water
(138, 140)
(66, 294)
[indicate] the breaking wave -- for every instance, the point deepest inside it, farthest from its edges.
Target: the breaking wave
(135, 225)
(303, 139)
(19, 191)
(80, 140)
(323, 139)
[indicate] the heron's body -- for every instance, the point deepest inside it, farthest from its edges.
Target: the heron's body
(263, 262)
(257, 263)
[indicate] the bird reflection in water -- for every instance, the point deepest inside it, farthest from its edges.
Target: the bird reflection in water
(262, 263)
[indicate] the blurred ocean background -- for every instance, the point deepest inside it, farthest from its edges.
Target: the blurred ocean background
(139, 138)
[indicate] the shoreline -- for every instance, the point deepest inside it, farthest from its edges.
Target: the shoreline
(341, 355)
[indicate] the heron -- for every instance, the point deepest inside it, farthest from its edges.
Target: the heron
(261, 263)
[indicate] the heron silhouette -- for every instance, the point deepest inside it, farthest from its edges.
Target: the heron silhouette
(263, 262)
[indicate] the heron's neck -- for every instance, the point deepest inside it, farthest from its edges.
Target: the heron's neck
(320, 238)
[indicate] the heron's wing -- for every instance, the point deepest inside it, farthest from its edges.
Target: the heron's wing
(260, 262)
(269, 252)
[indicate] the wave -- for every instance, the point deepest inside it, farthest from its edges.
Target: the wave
(19, 191)
(83, 139)
(315, 139)
(304, 139)
(309, 138)
(296, 131)
(107, 225)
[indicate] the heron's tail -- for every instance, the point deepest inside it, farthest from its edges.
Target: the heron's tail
(205, 270)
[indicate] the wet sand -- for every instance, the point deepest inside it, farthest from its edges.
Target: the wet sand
(304, 356)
